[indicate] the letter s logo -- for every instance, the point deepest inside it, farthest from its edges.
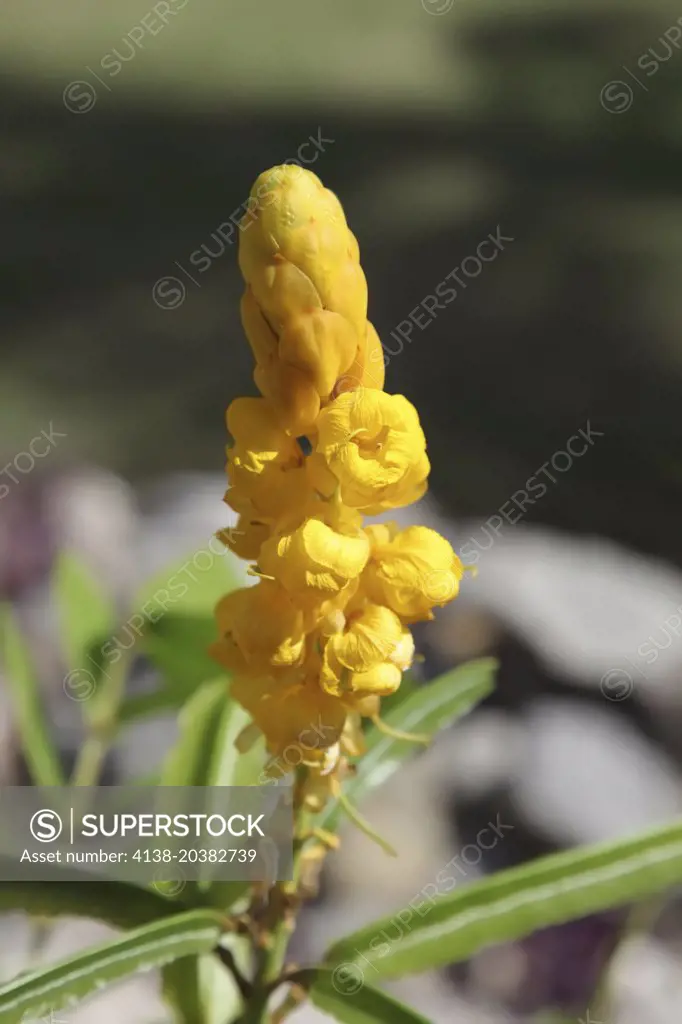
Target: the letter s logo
(46, 826)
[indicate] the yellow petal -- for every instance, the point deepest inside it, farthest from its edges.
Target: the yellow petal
(297, 720)
(313, 560)
(382, 680)
(321, 344)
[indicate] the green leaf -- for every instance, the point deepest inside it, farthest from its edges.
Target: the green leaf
(200, 722)
(36, 742)
(344, 994)
(515, 903)
(86, 614)
(229, 767)
(177, 645)
(427, 710)
(45, 991)
(119, 904)
(202, 988)
(191, 587)
(181, 986)
(205, 755)
(176, 607)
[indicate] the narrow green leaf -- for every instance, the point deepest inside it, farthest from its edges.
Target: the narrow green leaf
(44, 991)
(229, 767)
(189, 762)
(36, 742)
(515, 903)
(427, 710)
(344, 994)
(119, 904)
(206, 755)
(86, 614)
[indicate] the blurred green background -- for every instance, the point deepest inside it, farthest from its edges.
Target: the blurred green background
(447, 120)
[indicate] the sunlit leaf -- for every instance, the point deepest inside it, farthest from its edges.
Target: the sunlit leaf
(449, 928)
(44, 991)
(344, 994)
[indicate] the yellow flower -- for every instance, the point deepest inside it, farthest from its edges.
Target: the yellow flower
(318, 554)
(260, 628)
(369, 656)
(372, 445)
(265, 466)
(246, 538)
(298, 715)
(411, 571)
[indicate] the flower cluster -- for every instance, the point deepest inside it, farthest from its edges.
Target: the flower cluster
(324, 634)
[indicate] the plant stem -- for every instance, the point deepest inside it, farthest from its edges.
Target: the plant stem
(279, 921)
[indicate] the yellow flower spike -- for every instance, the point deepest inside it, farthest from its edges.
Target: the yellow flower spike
(412, 571)
(321, 638)
(372, 444)
(261, 628)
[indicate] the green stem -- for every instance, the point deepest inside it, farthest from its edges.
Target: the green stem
(280, 925)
